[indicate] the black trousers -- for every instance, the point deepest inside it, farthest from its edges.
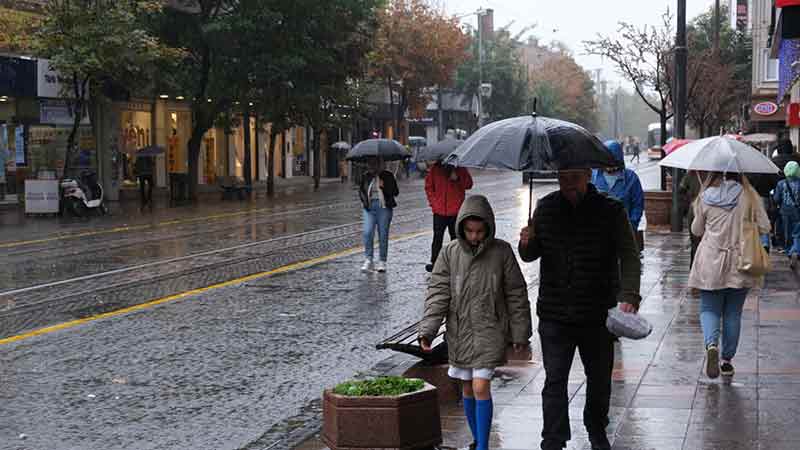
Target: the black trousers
(440, 223)
(596, 349)
(145, 192)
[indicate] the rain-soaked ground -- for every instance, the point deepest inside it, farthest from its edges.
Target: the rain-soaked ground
(239, 366)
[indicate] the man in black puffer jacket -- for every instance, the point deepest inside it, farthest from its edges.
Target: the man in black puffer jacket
(588, 257)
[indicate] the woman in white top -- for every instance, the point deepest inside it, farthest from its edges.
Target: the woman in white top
(719, 212)
(377, 192)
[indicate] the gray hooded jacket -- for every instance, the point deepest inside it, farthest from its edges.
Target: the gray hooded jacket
(481, 292)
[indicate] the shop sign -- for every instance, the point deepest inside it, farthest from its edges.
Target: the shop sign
(793, 118)
(741, 14)
(765, 108)
(58, 112)
(49, 83)
(17, 77)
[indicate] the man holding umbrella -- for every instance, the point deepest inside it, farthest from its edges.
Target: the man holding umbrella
(585, 241)
(445, 187)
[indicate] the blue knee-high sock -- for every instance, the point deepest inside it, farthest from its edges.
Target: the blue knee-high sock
(469, 411)
(483, 420)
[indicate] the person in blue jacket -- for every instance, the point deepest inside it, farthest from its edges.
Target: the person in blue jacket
(621, 184)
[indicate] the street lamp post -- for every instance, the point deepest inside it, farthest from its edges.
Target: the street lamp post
(676, 221)
(480, 14)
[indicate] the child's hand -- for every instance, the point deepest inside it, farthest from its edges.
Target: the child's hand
(520, 347)
(453, 176)
(426, 346)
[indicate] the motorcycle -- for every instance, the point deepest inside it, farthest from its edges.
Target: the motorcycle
(83, 195)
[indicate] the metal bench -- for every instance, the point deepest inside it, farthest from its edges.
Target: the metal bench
(405, 341)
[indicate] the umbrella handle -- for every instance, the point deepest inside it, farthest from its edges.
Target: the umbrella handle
(530, 197)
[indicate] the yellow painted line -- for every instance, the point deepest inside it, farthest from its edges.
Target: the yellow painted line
(152, 303)
(129, 228)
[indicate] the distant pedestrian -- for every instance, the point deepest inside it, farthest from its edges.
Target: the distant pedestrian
(719, 212)
(445, 187)
(343, 169)
(589, 262)
(787, 197)
(144, 174)
(636, 150)
(621, 184)
(785, 154)
(377, 192)
(478, 287)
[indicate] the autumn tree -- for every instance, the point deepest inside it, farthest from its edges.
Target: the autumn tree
(564, 90)
(643, 56)
(97, 43)
(416, 47)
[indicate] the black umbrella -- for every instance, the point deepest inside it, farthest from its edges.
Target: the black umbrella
(439, 150)
(385, 149)
(530, 144)
(150, 150)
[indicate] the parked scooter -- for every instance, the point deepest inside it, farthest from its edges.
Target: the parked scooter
(82, 196)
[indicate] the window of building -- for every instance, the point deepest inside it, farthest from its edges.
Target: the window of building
(770, 66)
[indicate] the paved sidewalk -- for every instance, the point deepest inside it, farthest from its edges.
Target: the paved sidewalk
(661, 399)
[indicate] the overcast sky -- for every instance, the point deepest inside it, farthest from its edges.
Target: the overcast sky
(574, 21)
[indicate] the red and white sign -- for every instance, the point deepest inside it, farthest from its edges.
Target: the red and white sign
(793, 118)
(765, 108)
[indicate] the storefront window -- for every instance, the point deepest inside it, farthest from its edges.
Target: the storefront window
(179, 131)
(47, 145)
(135, 133)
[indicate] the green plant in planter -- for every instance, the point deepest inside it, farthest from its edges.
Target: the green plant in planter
(381, 386)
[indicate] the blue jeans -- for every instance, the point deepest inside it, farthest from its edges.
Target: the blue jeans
(382, 218)
(725, 305)
(795, 248)
(790, 219)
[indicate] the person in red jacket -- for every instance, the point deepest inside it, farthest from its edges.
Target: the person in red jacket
(445, 186)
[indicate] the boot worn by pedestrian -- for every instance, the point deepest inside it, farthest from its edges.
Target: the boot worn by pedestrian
(553, 445)
(429, 268)
(381, 266)
(712, 361)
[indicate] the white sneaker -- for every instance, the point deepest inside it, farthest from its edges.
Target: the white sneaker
(712, 361)
(367, 267)
(381, 266)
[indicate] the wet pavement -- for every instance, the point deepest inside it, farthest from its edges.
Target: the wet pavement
(242, 366)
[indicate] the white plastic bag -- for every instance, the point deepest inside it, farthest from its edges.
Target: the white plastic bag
(627, 325)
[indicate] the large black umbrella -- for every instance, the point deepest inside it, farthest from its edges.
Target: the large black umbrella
(529, 144)
(385, 149)
(439, 150)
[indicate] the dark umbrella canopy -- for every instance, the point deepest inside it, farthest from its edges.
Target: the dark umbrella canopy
(385, 149)
(439, 150)
(150, 150)
(529, 144)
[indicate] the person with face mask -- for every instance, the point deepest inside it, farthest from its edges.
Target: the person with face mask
(621, 184)
(589, 262)
(377, 191)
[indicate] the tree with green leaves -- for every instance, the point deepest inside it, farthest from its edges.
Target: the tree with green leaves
(503, 69)
(96, 43)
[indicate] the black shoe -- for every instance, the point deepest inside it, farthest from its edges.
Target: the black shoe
(726, 369)
(553, 445)
(429, 268)
(600, 442)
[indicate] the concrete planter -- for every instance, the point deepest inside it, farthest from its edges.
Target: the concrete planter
(403, 422)
(657, 205)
